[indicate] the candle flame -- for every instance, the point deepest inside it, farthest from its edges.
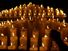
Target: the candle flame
(13, 34)
(11, 21)
(59, 28)
(41, 6)
(48, 7)
(57, 19)
(22, 18)
(20, 6)
(33, 45)
(12, 26)
(45, 36)
(61, 11)
(2, 34)
(47, 27)
(64, 14)
(2, 43)
(33, 36)
(43, 44)
(66, 38)
(11, 43)
(22, 35)
(17, 19)
(51, 8)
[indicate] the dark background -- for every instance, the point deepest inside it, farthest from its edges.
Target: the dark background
(62, 4)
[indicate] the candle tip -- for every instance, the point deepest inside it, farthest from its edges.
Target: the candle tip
(45, 36)
(2, 34)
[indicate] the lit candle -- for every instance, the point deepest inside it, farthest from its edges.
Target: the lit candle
(13, 34)
(34, 40)
(45, 40)
(64, 23)
(64, 14)
(57, 12)
(65, 39)
(2, 34)
(59, 28)
(11, 44)
(57, 19)
(11, 21)
(20, 13)
(61, 12)
(33, 48)
(43, 47)
(23, 39)
(2, 43)
(48, 27)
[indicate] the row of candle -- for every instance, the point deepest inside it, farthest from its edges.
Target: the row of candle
(31, 10)
(23, 40)
(34, 39)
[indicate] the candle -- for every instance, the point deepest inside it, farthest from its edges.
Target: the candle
(23, 42)
(59, 28)
(3, 41)
(10, 12)
(2, 34)
(45, 40)
(48, 27)
(34, 40)
(64, 14)
(65, 39)
(57, 19)
(20, 13)
(43, 47)
(61, 12)
(11, 47)
(23, 39)
(13, 30)
(57, 12)
(64, 23)
(33, 48)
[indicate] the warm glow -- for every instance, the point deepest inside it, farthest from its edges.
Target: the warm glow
(57, 19)
(23, 36)
(33, 36)
(2, 34)
(11, 43)
(41, 6)
(48, 7)
(47, 27)
(12, 26)
(2, 43)
(13, 34)
(45, 36)
(59, 28)
(11, 21)
(66, 38)
(61, 11)
(33, 45)
(42, 44)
